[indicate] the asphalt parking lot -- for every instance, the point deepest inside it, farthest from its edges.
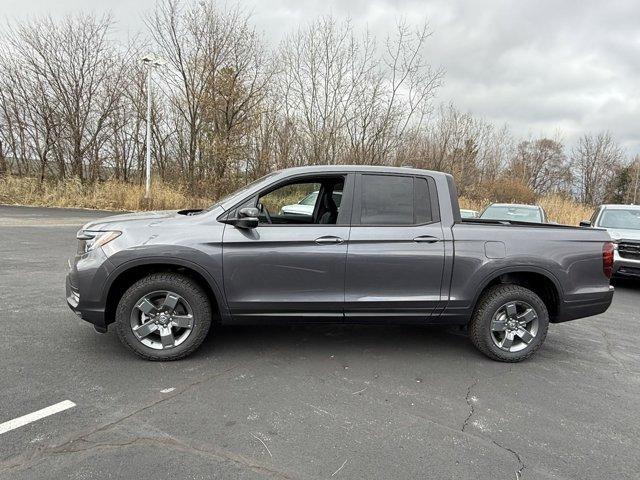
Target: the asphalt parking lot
(302, 402)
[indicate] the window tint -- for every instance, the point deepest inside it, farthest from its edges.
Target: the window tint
(386, 200)
(422, 201)
(308, 201)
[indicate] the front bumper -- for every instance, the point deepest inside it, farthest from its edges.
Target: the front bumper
(625, 266)
(84, 288)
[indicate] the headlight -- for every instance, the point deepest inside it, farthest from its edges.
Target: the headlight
(90, 239)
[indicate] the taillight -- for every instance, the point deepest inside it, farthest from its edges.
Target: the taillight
(607, 258)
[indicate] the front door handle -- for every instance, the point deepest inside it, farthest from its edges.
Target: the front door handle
(329, 240)
(425, 239)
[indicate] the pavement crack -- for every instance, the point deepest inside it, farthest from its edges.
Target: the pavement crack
(521, 464)
(469, 403)
(175, 444)
(609, 348)
(42, 452)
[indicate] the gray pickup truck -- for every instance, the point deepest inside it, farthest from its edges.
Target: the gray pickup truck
(394, 250)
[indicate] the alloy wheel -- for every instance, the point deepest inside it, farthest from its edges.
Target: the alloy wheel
(162, 320)
(514, 326)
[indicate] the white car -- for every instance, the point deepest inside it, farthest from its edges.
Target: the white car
(465, 213)
(307, 204)
(623, 224)
(515, 212)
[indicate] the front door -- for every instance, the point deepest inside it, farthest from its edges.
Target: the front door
(395, 257)
(293, 263)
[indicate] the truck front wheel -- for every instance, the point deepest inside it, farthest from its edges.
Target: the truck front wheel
(509, 323)
(164, 316)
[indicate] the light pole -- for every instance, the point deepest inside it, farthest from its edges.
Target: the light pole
(150, 61)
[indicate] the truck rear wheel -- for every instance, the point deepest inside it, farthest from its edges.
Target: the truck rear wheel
(509, 324)
(164, 316)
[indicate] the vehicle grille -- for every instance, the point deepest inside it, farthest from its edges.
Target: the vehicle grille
(629, 250)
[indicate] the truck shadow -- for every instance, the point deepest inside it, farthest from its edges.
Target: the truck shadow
(327, 340)
(630, 283)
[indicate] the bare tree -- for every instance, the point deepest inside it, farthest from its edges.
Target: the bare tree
(347, 101)
(595, 158)
(216, 77)
(635, 191)
(77, 79)
(228, 108)
(542, 165)
(469, 148)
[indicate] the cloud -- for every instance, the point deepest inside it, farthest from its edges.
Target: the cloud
(537, 65)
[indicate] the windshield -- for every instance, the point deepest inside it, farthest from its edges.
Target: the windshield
(243, 189)
(309, 199)
(507, 212)
(621, 219)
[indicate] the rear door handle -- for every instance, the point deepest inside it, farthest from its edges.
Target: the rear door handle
(425, 239)
(329, 240)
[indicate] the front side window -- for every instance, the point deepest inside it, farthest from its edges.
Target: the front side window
(308, 201)
(394, 200)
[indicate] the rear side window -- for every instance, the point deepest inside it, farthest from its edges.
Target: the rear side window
(421, 201)
(394, 200)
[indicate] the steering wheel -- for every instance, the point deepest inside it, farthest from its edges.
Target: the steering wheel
(265, 211)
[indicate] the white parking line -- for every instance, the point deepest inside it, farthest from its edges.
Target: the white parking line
(33, 416)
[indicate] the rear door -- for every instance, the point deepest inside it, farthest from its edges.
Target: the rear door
(395, 257)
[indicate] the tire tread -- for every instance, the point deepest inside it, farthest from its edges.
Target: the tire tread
(163, 280)
(478, 324)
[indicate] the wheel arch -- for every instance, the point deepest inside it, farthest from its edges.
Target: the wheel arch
(130, 272)
(541, 282)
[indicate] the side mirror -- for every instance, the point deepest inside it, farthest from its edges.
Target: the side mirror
(585, 223)
(247, 218)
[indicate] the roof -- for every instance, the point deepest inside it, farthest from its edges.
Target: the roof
(517, 205)
(615, 206)
(357, 168)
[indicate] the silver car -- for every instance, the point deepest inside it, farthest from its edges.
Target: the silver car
(623, 224)
(306, 205)
(515, 212)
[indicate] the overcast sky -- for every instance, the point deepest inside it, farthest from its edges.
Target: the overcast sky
(541, 66)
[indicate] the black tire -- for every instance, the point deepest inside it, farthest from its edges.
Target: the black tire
(174, 282)
(480, 331)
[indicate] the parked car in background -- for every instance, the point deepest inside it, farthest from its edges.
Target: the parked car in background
(515, 212)
(465, 213)
(623, 224)
(395, 250)
(307, 204)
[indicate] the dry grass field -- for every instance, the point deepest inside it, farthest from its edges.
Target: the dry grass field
(109, 195)
(117, 195)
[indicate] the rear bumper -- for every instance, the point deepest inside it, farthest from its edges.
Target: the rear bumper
(586, 305)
